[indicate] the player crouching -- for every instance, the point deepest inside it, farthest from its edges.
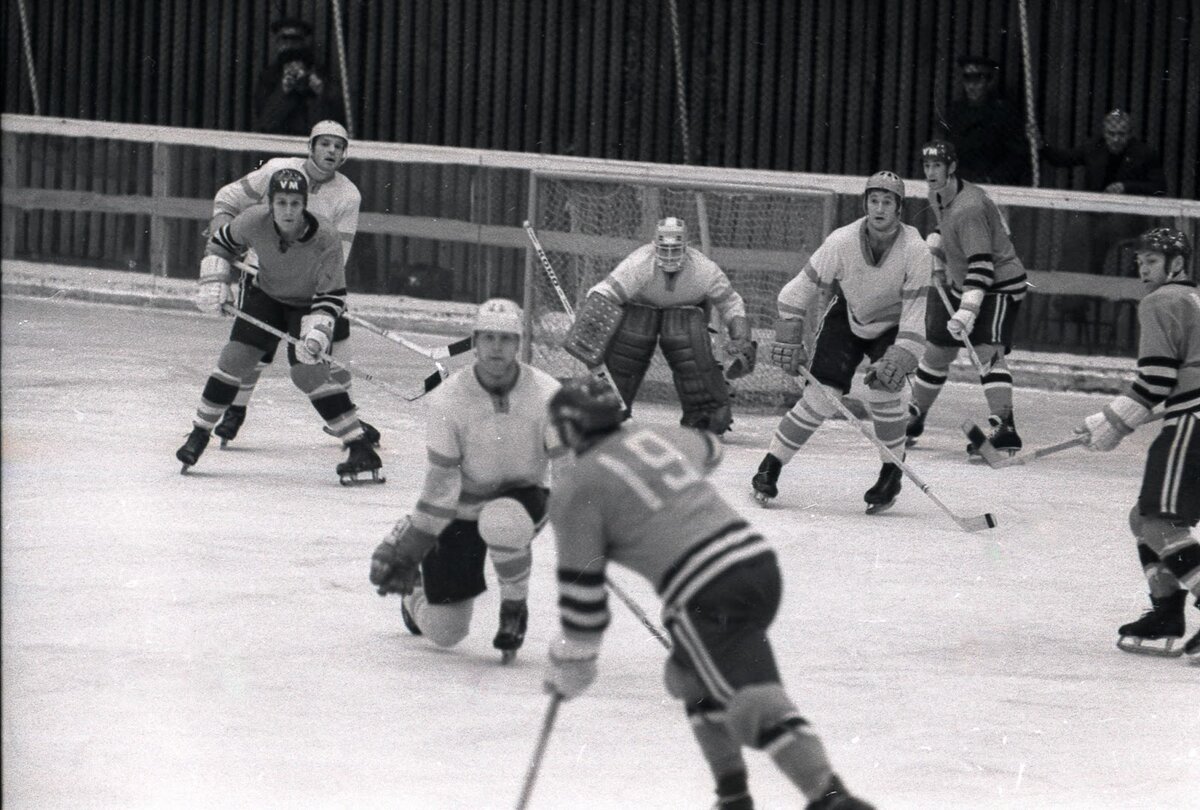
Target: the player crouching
(1168, 506)
(484, 495)
(300, 290)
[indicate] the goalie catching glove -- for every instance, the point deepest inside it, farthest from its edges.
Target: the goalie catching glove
(572, 667)
(396, 563)
(214, 290)
(890, 371)
(788, 350)
(316, 335)
(1105, 430)
(742, 351)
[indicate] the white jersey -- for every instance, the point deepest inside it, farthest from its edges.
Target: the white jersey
(879, 294)
(336, 199)
(699, 282)
(480, 443)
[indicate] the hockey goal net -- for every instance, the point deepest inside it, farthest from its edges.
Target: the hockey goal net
(759, 235)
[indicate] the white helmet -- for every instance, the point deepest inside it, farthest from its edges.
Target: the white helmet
(670, 244)
(499, 315)
(329, 128)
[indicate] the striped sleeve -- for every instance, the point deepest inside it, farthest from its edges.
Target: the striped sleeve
(330, 296)
(246, 191)
(226, 243)
(913, 296)
(718, 290)
(582, 559)
(1158, 352)
(975, 240)
(438, 502)
(628, 277)
(347, 221)
(798, 294)
(582, 602)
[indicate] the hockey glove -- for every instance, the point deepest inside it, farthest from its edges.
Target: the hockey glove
(963, 321)
(890, 371)
(572, 667)
(214, 290)
(396, 563)
(788, 351)
(1106, 429)
(316, 330)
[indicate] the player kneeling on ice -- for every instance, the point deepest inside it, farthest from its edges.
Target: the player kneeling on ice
(1168, 506)
(489, 447)
(300, 290)
(877, 270)
(638, 496)
(661, 295)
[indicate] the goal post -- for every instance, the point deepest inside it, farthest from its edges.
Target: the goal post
(760, 235)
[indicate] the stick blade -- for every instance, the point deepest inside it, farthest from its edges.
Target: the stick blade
(978, 523)
(983, 444)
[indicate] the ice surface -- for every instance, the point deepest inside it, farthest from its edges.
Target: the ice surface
(211, 640)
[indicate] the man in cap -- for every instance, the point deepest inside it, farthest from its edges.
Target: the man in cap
(987, 130)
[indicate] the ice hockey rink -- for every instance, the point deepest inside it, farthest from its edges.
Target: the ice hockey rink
(211, 640)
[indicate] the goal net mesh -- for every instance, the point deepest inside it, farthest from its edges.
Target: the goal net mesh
(759, 237)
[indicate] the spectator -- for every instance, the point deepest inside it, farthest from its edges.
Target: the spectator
(1114, 163)
(988, 131)
(294, 92)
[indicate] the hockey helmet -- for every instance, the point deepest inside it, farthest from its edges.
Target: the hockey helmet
(328, 128)
(499, 315)
(670, 243)
(584, 408)
(289, 180)
(939, 150)
(1167, 241)
(886, 181)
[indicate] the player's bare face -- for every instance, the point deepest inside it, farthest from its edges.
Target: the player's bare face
(328, 152)
(288, 210)
(883, 213)
(937, 174)
(496, 354)
(1153, 268)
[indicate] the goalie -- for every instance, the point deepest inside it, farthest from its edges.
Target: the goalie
(661, 295)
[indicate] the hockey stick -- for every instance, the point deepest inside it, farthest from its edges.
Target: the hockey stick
(429, 383)
(539, 751)
(599, 371)
(966, 339)
(640, 614)
(967, 524)
(997, 459)
(442, 352)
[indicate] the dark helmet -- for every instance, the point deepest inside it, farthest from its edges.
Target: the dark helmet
(1168, 241)
(288, 180)
(939, 150)
(587, 406)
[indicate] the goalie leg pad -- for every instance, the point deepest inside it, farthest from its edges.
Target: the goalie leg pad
(633, 347)
(596, 323)
(701, 386)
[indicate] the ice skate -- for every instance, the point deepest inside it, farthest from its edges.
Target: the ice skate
(838, 798)
(883, 494)
(190, 453)
(1160, 629)
(1003, 438)
(369, 432)
(1192, 649)
(230, 424)
(362, 459)
(514, 615)
(766, 479)
(915, 427)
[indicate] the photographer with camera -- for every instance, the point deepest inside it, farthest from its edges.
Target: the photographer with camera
(294, 92)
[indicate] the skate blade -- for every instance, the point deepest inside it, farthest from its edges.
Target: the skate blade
(353, 480)
(762, 499)
(508, 656)
(909, 441)
(224, 443)
(1139, 646)
(184, 469)
(877, 508)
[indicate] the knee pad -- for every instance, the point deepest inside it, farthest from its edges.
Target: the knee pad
(504, 523)
(938, 358)
(990, 356)
(445, 625)
(1135, 521)
(239, 359)
(309, 378)
(1159, 533)
(759, 715)
(819, 399)
(884, 401)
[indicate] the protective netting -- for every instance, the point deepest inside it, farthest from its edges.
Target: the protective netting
(759, 237)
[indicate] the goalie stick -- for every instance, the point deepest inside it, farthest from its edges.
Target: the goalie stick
(428, 384)
(440, 353)
(997, 459)
(599, 371)
(968, 524)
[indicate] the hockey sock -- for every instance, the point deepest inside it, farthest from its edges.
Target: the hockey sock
(341, 375)
(928, 385)
(891, 418)
(721, 751)
(246, 389)
(219, 391)
(512, 570)
(998, 388)
(1181, 556)
(333, 404)
(798, 424)
(798, 752)
(764, 717)
(1159, 578)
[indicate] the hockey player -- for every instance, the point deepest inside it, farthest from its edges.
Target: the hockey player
(638, 496)
(331, 195)
(662, 294)
(484, 495)
(300, 289)
(878, 270)
(1168, 506)
(974, 254)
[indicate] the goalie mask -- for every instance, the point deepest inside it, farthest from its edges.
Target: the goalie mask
(670, 244)
(584, 409)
